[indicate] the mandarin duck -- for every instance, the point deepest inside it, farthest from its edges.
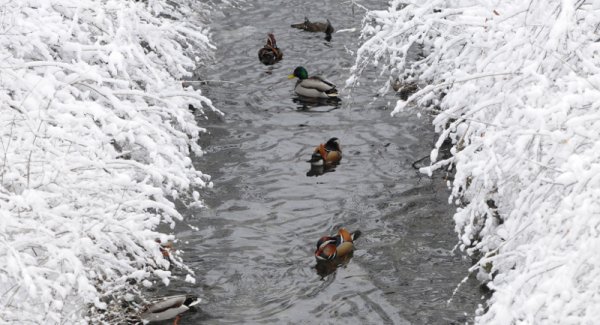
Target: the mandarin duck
(313, 87)
(168, 308)
(327, 267)
(270, 53)
(327, 154)
(166, 249)
(340, 245)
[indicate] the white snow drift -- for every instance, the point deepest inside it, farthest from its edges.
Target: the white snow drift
(95, 135)
(515, 86)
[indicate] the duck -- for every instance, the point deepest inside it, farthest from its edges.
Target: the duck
(313, 87)
(327, 267)
(338, 246)
(270, 53)
(309, 26)
(168, 308)
(165, 248)
(404, 89)
(327, 154)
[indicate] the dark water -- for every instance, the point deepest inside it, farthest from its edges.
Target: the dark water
(253, 250)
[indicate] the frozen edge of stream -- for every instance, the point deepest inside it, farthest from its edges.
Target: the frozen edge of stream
(96, 136)
(521, 112)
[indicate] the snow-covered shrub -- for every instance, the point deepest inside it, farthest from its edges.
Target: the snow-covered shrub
(96, 137)
(515, 86)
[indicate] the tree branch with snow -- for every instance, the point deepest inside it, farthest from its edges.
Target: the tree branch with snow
(512, 85)
(95, 141)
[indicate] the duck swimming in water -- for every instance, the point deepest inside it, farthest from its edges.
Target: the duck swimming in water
(338, 246)
(309, 26)
(313, 87)
(327, 154)
(270, 53)
(168, 308)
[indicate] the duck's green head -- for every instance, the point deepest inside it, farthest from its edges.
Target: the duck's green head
(299, 72)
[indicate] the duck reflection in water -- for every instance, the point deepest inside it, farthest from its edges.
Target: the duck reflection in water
(335, 251)
(318, 170)
(325, 268)
(316, 105)
(325, 157)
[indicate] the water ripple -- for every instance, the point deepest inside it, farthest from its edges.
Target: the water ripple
(253, 251)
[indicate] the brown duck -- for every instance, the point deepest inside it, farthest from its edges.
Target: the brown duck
(327, 154)
(270, 53)
(309, 26)
(340, 245)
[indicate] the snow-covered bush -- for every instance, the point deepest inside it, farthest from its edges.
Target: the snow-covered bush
(96, 137)
(515, 86)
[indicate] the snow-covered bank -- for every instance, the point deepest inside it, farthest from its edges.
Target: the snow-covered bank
(95, 138)
(515, 85)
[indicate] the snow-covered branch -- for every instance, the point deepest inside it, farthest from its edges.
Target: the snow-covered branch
(514, 87)
(95, 136)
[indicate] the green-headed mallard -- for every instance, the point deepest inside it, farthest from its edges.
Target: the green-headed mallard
(340, 245)
(314, 87)
(168, 308)
(329, 153)
(270, 53)
(309, 26)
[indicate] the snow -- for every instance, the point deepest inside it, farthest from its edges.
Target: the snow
(95, 138)
(514, 85)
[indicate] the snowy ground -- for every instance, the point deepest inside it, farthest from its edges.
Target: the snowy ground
(95, 139)
(515, 86)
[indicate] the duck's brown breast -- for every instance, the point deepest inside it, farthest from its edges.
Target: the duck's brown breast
(333, 156)
(344, 248)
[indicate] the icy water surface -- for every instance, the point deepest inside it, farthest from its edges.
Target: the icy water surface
(253, 252)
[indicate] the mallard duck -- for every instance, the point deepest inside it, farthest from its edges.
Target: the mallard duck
(309, 26)
(327, 154)
(314, 87)
(168, 308)
(340, 245)
(404, 89)
(270, 53)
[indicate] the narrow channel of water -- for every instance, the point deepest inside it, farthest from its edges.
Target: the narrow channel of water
(253, 252)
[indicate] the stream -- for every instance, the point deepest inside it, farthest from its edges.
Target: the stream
(253, 250)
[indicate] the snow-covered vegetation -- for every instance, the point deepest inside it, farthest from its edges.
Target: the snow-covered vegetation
(96, 137)
(514, 86)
